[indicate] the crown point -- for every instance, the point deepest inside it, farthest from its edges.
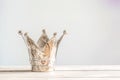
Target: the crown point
(43, 31)
(64, 32)
(20, 32)
(55, 34)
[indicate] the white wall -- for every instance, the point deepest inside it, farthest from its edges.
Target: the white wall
(93, 28)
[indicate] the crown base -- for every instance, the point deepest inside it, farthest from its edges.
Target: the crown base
(37, 68)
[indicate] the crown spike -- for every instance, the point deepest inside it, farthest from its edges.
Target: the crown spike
(42, 40)
(59, 40)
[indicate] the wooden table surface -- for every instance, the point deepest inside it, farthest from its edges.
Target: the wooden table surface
(60, 74)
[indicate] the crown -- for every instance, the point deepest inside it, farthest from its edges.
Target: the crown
(42, 54)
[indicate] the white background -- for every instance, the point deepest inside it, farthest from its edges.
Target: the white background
(93, 28)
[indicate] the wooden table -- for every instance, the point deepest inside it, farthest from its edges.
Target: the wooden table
(62, 73)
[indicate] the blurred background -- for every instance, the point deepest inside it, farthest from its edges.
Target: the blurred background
(93, 28)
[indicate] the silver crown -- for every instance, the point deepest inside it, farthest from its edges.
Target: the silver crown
(42, 54)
